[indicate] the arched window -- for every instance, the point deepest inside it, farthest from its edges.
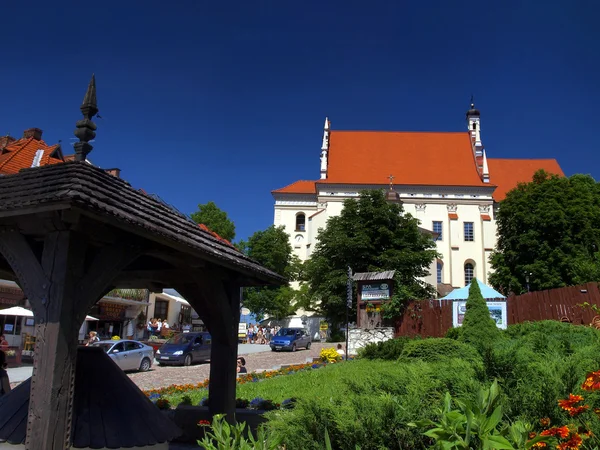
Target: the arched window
(300, 222)
(440, 271)
(469, 272)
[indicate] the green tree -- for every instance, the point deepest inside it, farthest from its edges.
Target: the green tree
(549, 231)
(272, 249)
(370, 235)
(478, 327)
(216, 219)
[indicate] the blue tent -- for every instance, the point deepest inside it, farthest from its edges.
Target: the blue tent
(463, 293)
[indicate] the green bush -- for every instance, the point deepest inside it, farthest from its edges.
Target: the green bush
(432, 350)
(386, 350)
(478, 328)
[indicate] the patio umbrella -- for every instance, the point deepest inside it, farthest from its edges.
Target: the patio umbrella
(16, 311)
(90, 318)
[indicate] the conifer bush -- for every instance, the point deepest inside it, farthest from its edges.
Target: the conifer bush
(478, 328)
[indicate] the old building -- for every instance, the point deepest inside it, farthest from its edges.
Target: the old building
(446, 180)
(28, 151)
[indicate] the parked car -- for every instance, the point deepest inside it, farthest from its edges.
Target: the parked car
(290, 339)
(185, 349)
(128, 355)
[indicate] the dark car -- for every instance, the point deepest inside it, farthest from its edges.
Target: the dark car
(185, 349)
(290, 339)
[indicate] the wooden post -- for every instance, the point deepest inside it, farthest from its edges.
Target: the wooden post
(219, 301)
(61, 291)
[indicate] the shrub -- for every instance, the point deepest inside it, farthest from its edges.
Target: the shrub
(387, 350)
(478, 328)
(433, 349)
(221, 435)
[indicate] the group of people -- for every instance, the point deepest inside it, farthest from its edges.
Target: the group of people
(158, 327)
(257, 334)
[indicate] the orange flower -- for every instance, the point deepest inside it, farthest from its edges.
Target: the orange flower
(545, 422)
(539, 445)
(573, 443)
(575, 411)
(570, 403)
(561, 432)
(532, 434)
(592, 381)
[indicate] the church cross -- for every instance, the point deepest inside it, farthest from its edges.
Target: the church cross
(391, 178)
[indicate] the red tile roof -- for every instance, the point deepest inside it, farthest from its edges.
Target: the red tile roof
(299, 187)
(507, 173)
(20, 154)
(417, 158)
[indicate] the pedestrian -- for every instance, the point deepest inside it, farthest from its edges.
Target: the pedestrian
(93, 337)
(4, 381)
(241, 365)
(250, 334)
(3, 343)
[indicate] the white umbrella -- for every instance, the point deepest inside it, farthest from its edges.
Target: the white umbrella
(90, 318)
(16, 311)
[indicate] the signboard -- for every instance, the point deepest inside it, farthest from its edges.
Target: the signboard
(323, 325)
(497, 312)
(111, 311)
(242, 330)
(376, 291)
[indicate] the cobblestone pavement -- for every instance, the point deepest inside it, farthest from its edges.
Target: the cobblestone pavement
(161, 376)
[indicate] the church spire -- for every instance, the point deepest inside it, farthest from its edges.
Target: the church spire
(474, 125)
(86, 129)
(325, 149)
(485, 171)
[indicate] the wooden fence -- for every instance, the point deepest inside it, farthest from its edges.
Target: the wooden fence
(433, 318)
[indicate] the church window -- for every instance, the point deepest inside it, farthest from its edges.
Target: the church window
(440, 271)
(437, 228)
(469, 232)
(469, 273)
(300, 222)
(474, 125)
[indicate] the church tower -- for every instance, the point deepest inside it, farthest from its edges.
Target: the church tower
(474, 127)
(325, 149)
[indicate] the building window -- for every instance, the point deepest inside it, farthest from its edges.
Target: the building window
(469, 232)
(185, 315)
(161, 309)
(474, 125)
(437, 228)
(300, 222)
(440, 272)
(469, 273)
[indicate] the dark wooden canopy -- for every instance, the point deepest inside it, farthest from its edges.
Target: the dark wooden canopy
(69, 233)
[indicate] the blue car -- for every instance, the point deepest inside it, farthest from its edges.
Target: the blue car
(184, 349)
(290, 339)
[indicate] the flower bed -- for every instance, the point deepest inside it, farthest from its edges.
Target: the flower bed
(242, 379)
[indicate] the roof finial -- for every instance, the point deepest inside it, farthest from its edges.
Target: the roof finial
(472, 101)
(86, 128)
(391, 178)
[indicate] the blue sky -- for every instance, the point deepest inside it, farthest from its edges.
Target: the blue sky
(225, 101)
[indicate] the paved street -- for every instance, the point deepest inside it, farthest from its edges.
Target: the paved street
(258, 358)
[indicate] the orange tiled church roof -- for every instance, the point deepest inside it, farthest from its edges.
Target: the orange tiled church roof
(416, 158)
(17, 154)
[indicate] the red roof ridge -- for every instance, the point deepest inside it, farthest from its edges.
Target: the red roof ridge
(401, 132)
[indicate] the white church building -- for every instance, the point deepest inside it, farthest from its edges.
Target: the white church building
(444, 179)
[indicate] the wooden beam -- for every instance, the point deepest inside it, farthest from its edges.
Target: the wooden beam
(219, 301)
(165, 276)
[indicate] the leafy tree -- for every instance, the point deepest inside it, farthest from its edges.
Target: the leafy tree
(214, 218)
(272, 249)
(370, 235)
(549, 230)
(478, 328)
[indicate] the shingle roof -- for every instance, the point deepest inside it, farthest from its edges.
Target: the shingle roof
(20, 154)
(109, 410)
(83, 186)
(507, 173)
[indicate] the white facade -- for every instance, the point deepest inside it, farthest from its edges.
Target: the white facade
(452, 206)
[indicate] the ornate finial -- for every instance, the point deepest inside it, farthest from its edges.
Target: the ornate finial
(391, 178)
(86, 128)
(472, 101)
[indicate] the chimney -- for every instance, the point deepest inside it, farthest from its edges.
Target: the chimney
(35, 133)
(5, 140)
(114, 172)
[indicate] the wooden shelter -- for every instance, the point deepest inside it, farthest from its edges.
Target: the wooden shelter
(70, 232)
(373, 289)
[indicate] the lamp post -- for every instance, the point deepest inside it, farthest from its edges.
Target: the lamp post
(527, 275)
(348, 305)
